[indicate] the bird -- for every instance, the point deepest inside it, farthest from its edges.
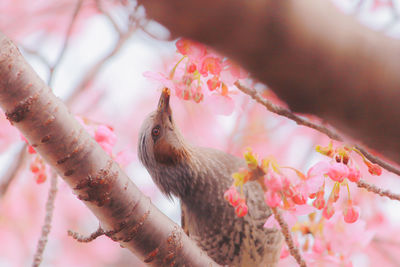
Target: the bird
(199, 176)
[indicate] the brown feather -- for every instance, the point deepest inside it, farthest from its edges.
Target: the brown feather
(167, 154)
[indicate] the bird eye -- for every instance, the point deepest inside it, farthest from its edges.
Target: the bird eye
(155, 131)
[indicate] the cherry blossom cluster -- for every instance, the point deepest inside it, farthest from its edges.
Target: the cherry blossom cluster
(237, 201)
(298, 194)
(104, 136)
(39, 169)
(285, 187)
(199, 73)
(107, 139)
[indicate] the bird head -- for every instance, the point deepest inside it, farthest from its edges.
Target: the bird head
(160, 141)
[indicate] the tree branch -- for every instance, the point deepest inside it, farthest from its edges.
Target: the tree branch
(374, 189)
(37, 259)
(85, 239)
(95, 178)
(320, 128)
(293, 249)
(65, 43)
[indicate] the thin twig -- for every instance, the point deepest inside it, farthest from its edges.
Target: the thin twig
(47, 221)
(321, 128)
(95, 69)
(374, 189)
(85, 239)
(12, 171)
(66, 42)
(293, 249)
(374, 159)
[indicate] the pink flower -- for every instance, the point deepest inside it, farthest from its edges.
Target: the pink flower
(299, 198)
(241, 209)
(338, 171)
(284, 252)
(41, 177)
(328, 211)
(335, 193)
(272, 199)
(350, 213)
(124, 157)
(232, 196)
(231, 73)
(157, 76)
(354, 175)
(192, 68)
(213, 83)
(210, 65)
(31, 150)
(273, 181)
(318, 246)
(105, 137)
(318, 169)
(195, 51)
(374, 169)
(319, 202)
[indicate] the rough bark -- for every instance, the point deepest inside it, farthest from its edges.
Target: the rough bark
(126, 215)
(315, 58)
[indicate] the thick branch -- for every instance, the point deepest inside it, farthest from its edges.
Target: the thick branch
(317, 59)
(121, 208)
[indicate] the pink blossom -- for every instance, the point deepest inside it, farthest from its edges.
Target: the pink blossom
(300, 198)
(373, 169)
(105, 137)
(157, 76)
(345, 238)
(241, 209)
(272, 222)
(213, 83)
(319, 202)
(319, 169)
(354, 175)
(124, 157)
(194, 50)
(351, 213)
(210, 65)
(272, 199)
(338, 172)
(328, 211)
(232, 73)
(232, 196)
(318, 246)
(273, 181)
(284, 252)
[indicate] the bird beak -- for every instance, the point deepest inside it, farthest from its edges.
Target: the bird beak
(163, 103)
